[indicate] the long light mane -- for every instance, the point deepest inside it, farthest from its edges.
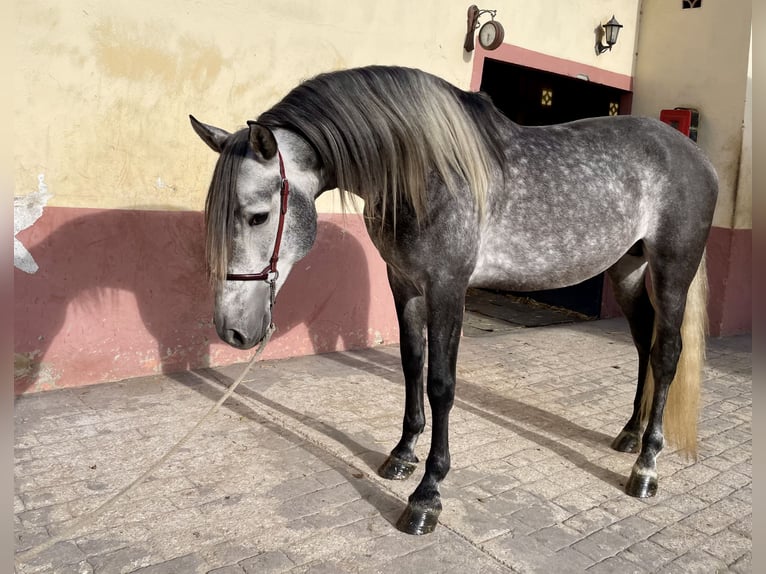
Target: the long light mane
(382, 131)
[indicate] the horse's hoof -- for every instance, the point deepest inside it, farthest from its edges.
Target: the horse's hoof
(626, 442)
(418, 519)
(641, 485)
(396, 469)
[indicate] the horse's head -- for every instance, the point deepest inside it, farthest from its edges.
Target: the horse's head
(242, 217)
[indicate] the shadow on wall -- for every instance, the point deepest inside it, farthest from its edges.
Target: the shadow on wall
(123, 293)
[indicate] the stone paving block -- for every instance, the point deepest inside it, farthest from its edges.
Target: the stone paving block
(125, 560)
(235, 569)
(548, 488)
(736, 479)
(45, 515)
(616, 564)
(601, 545)
(661, 515)
(330, 566)
(708, 520)
(678, 538)
(82, 567)
(522, 554)
(648, 555)
(189, 564)
(623, 506)
(59, 555)
(556, 537)
(712, 491)
(27, 537)
(58, 449)
(538, 516)
(59, 494)
(432, 559)
(633, 527)
(230, 552)
(311, 503)
(336, 517)
(111, 539)
(384, 549)
(743, 526)
(480, 524)
(743, 565)
(590, 520)
(274, 561)
(574, 501)
(694, 562)
(686, 503)
(727, 545)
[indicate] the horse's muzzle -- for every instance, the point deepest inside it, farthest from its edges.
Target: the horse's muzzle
(238, 340)
(242, 338)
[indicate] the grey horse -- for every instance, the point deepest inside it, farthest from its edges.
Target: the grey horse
(456, 195)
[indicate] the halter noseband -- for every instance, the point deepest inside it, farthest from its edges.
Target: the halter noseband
(270, 273)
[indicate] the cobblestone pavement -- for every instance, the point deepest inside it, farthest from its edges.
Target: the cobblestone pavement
(282, 479)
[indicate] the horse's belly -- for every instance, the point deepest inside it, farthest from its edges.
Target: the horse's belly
(547, 267)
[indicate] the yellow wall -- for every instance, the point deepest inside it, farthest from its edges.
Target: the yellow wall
(698, 58)
(566, 29)
(103, 89)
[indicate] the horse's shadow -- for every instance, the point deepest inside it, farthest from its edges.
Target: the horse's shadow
(534, 424)
(244, 403)
(91, 266)
(527, 421)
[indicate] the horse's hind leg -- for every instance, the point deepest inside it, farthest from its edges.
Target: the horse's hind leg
(628, 280)
(670, 282)
(410, 311)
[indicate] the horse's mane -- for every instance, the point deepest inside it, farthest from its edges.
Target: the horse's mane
(382, 131)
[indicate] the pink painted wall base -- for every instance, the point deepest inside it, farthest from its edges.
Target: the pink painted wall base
(121, 294)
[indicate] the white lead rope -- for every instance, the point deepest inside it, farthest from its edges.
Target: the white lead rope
(80, 520)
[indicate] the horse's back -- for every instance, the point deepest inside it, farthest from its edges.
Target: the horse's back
(575, 197)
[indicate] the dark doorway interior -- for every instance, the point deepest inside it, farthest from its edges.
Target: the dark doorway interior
(534, 97)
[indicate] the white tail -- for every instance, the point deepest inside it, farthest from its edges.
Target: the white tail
(682, 407)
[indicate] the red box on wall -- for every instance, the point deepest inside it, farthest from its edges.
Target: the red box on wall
(685, 120)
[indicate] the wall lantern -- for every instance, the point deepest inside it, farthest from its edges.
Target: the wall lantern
(491, 33)
(610, 30)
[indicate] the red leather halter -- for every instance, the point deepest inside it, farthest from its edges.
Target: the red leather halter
(270, 272)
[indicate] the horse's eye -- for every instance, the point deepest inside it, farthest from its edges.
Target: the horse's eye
(258, 219)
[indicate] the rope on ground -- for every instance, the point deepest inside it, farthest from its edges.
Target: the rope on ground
(281, 421)
(68, 531)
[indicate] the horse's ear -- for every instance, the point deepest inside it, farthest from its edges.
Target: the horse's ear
(262, 141)
(211, 135)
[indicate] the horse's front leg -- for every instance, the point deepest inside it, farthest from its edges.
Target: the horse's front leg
(445, 318)
(410, 311)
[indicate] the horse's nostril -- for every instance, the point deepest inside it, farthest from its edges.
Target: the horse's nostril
(236, 338)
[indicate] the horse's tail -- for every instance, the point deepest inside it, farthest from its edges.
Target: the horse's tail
(682, 406)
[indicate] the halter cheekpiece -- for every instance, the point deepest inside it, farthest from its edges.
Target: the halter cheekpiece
(270, 273)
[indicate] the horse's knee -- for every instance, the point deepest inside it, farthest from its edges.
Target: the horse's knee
(441, 393)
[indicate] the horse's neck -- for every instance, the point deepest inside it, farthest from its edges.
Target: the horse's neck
(302, 166)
